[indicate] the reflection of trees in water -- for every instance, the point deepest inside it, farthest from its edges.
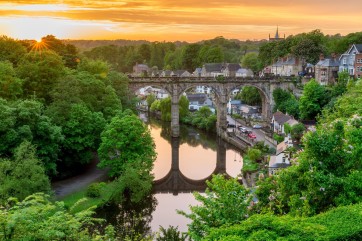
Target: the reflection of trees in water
(129, 219)
(188, 134)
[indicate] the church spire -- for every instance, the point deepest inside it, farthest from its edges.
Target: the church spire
(277, 33)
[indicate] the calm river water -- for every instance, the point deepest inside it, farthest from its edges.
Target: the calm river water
(182, 166)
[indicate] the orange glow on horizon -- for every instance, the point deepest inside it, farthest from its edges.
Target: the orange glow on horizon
(168, 20)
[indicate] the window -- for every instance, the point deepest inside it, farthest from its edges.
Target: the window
(344, 61)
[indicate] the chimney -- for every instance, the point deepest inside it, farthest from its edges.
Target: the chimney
(321, 57)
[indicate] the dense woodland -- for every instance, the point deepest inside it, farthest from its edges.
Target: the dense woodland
(59, 108)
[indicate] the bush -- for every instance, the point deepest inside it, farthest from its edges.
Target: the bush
(94, 190)
(278, 138)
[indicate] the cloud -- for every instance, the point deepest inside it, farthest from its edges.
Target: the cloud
(199, 16)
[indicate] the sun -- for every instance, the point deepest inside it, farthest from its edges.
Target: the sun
(39, 45)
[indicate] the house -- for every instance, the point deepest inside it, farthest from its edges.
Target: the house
(287, 66)
(351, 59)
(249, 111)
(212, 70)
(358, 62)
(326, 70)
(155, 73)
(278, 121)
(233, 106)
(197, 72)
(159, 93)
(140, 70)
(180, 73)
(230, 69)
(166, 73)
(197, 101)
(282, 157)
(242, 72)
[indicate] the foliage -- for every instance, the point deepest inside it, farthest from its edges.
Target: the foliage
(225, 202)
(251, 61)
(254, 154)
(36, 218)
(171, 233)
(97, 68)
(11, 50)
(249, 95)
(323, 177)
(40, 71)
(297, 131)
(23, 175)
(126, 140)
(81, 130)
(156, 105)
(25, 120)
(343, 223)
(285, 102)
(312, 100)
(133, 185)
(165, 108)
(94, 190)
(68, 52)
(278, 138)
(10, 85)
(150, 99)
(203, 119)
(85, 89)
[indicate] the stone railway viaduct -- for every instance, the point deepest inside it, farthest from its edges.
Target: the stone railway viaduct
(222, 88)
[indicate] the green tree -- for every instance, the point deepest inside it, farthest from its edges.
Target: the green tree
(183, 107)
(68, 52)
(171, 233)
(11, 50)
(251, 61)
(25, 120)
(312, 100)
(225, 202)
(297, 131)
(126, 140)
(150, 99)
(97, 68)
(190, 57)
(10, 85)
(40, 71)
(22, 175)
(36, 218)
(249, 95)
(81, 130)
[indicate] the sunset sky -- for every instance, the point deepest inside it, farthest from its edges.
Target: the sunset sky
(189, 20)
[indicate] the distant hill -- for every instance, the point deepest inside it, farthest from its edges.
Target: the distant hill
(84, 45)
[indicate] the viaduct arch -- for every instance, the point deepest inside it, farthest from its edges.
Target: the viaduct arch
(222, 88)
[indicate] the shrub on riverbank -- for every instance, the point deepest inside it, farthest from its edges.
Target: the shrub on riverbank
(203, 119)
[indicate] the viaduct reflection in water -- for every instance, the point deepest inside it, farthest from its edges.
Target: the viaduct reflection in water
(176, 182)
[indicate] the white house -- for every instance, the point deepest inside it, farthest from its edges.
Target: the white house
(278, 121)
(347, 61)
(282, 157)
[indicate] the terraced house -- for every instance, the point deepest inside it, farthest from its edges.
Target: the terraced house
(351, 61)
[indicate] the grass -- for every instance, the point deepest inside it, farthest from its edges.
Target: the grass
(105, 194)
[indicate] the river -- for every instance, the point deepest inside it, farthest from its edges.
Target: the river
(182, 166)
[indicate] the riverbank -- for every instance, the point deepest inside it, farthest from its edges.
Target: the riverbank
(77, 183)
